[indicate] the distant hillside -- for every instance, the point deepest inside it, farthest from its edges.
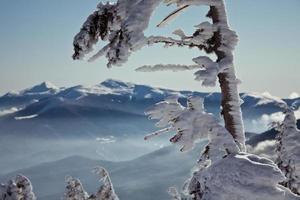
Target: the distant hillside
(133, 180)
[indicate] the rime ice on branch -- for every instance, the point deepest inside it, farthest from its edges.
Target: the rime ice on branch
(122, 24)
(288, 151)
(192, 124)
(75, 190)
(19, 188)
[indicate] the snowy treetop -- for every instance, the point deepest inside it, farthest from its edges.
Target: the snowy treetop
(288, 150)
(75, 190)
(19, 188)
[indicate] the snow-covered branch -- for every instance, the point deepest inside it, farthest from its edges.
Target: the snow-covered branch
(192, 124)
(207, 73)
(98, 25)
(180, 3)
(200, 39)
(172, 16)
(121, 24)
(167, 67)
(19, 188)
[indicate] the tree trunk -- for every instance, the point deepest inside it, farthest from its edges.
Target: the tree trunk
(231, 110)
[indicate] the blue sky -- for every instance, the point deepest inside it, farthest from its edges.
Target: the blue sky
(36, 45)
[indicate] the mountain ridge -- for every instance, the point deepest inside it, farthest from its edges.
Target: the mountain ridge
(112, 99)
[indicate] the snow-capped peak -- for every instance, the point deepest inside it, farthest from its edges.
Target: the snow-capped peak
(49, 85)
(264, 98)
(41, 88)
(109, 86)
(115, 84)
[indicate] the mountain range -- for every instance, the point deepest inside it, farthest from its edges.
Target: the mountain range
(45, 110)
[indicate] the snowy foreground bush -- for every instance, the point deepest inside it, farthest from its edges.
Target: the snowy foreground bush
(19, 188)
(75, 190)
(240, 176)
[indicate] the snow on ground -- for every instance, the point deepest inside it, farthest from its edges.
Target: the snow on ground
(8, 111)
(26, 117)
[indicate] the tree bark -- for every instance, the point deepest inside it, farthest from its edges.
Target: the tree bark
(231, 110)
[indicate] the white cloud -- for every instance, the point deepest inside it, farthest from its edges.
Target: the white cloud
(265, 120)
(107, 140)
(264, 149)
(274, 117)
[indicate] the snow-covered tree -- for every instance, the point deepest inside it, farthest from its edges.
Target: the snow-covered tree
(225, 170)
(19, 188)
(106, 191)
(122, 24)
(75, 191)
(288, 151)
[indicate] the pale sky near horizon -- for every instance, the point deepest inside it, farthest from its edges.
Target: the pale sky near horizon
(36, 45)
